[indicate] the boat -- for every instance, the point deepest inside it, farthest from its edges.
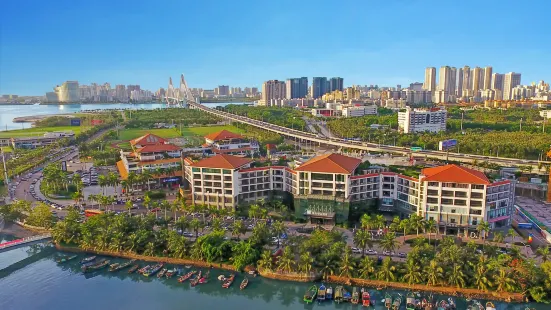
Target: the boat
(310, 294)
(355, 296)
(490, 306)
(170, 272)
(322, 293)
(99, 265)
(442, 305)
(410, 301)
(87, 260)
(133, 268)
(396, 303)
(188, 266)
(228, 281)
(153, 270)
(144, 269)
(338, 294)
(346, 296)
(114, 267)
(204, 279)
(451, 303)
(244, 283)
(221, 278)
(66, 259)
(329, 293)
(388, 301)
(121, 266)
(161, 273)
(186, 276)
(366, 299)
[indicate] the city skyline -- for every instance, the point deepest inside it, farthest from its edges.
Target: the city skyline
(364, 48)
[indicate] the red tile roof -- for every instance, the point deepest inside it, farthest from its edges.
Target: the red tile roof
(331, 163)
(223, 135)
(148, 139)
(223, 161)
(454, 173)
(157, 148)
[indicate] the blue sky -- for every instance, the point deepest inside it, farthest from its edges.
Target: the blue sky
(243, 42)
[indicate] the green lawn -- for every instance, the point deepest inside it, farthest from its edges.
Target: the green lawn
(7, 149)
(39, 131)
(193, 134)
(203, 131)
(129, 134)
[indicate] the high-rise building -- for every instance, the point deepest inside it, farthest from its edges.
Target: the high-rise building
(319, 87)
(466, 83)
(336, 83)
(430, 79)
(487, 77)
(510, 80)
(422, 120)
(447, 81)
(120, 92)
(497, 81)
(459, 89)
(273, 89)
(477, 78)
(68, 92)
(296, 88)
(222, 90)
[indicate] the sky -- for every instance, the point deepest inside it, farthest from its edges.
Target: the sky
(246, 42)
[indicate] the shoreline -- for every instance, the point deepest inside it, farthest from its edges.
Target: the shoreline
(17, 230)
(459, 292)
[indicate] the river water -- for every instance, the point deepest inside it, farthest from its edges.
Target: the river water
(9, 112)
(31, 279)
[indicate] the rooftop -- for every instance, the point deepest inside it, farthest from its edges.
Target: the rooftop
(158, 148)
(223, 135)
(456, 174)
(331, 163)
(223, 161)
(148, 139)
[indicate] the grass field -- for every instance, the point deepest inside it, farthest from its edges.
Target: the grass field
(129, 134)
(39, 131)
(203, 131)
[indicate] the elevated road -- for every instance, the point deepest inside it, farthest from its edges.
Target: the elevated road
(364, 146)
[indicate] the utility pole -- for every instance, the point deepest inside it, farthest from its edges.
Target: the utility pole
(5, 172)
(462, 114)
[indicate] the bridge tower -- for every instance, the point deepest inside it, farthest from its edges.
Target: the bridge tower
(180, 97)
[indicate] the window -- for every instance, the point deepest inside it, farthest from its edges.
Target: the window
(210, 170)
(196, 169)
(322, 177)
(476, 186)
(227, 171)
(433, 183)
(340, 177)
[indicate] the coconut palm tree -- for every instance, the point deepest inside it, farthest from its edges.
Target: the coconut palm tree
(362, 239)
(503, 281)
(286, 260)
(175, 207)
(416, 222)
(434, 273)
(405, 227)
(365, 221)
(511, 233)
(266, 260)
(238, 228)
(347, 263)
(103, 183)
(386, 271)
(456, 276)
(366, 267)
(278, 229)
(254, 211)
(389, 242)
(481, 279)
(305, 263)
(328, 269)
(379, 221)
(128, 205)
(483, 229)
(147, 176)
(498, 237)
(412, 272)
(543, 252)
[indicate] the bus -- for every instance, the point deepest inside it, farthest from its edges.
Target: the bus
(416, 149)
(92, 212)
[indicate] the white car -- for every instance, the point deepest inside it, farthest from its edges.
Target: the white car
(371, 252)
(356, 251)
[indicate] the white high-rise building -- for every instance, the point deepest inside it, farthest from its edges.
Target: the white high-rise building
(272, 89)
(422, 120)
(510, 80)
(487, 77)
(447, 82)
(430, 79)
(68, 92)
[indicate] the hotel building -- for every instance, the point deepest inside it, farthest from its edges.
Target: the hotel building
(325, 188)
(422, 120)
(226, 142)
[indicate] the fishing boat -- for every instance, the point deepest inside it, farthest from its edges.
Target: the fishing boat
(346, 296)
(196, 279)
(133, 268)
(366, 299)
(244, 283)
(114, 267)
(396, 303)
(322, 293)
(153, 270)
(65, 259)
(490, 306)
(144, 269)
(221, 278)
(388, 301)
(410, 301)
(310, 294)
(451, 304)
(99, 265)
(338, 294)
(161, 273)
(355, 296)
(186, 276)
(442, 305)
(87, 260)
(329, 293)
(204, 278)
(188, 266)
(170, 272)
(121, 266)
(228, 281)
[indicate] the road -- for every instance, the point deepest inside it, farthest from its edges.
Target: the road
(364, 146)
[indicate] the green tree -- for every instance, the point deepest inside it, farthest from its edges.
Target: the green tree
(434, 273)
(481, 277)
(286, 261)
(238, 228)
(386, 271)
(503, 281)
(456, 276)
(347, 264)
(412, 272)
(366, 268)
(278, 229)
(266, 260)
(543, 252)
(244, 254)
(405, 227)
(305, 263)
(41, 216)
(389, 242)
(362, 239)
(195, 225)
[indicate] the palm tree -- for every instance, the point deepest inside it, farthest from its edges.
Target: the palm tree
(503, 281)
(362, 239)
(416, 222)
(431, 226)
(498, 237)
(389, 242)
(456, 276)
(484, 229)
(287, 260)
(128, 205)
(347, 263)
(266, 260)
(147, 176)
(481, 279)
(412, 272)
(216, 224)
(511, 233)
(434, 273)
(174, 207)
(103, 182)
(367, 267)
(328, 269)
(113, 180)
(386, 271)
(379, 221)
(405, 226)
(278, 229)
(238, 228)
(365, 221)
(305, 263)
(195, 225)
(254, 211)
(543, 252)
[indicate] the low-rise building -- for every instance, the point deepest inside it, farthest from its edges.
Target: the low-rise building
(45, 140)
(422, 120)
(227, 142)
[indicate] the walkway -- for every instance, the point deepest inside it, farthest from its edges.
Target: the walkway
(9, 245)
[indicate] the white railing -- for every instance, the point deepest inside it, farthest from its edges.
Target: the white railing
(13, 243)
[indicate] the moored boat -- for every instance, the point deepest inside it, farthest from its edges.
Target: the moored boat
(366, 299)
(144, 269)
(490, 306)
(196, 279)
(99, 265)
(114, 267)
(322, 292)
(153, 270)
(396, 303)
(161, 273)
(186, 276)
(244, 283)
(410, 301)
(355, 296)
(310, 294)
(338, 294)
(122, 266)
(204, 278)
(133, 268)
(66, 259)
(170, 272)
(388, 301)
(346, 296)
(442, 305)
(87, 260)
(227, 283)
(329, 293)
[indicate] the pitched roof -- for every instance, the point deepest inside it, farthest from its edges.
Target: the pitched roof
(331, 163)
(148, 139)
(158, 148)
(223, 135)
(224, 161)
(454, 173)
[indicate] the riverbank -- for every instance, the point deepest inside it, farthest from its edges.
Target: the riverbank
(35, 118)
(18, 231)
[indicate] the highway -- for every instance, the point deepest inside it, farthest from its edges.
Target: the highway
(365, 146)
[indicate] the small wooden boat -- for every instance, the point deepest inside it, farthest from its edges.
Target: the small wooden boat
(121, 266)
(133, 268)
(346, 296)
(221, 278)
(204, 278)
(153, 270)
(410, 301)
(99, 265)
(114, 267)
(490, 306)
(338, 294)
(310, 294)
(144, 269)
(65, 259)
(366, 299)
(442, 305)
(195, 280)
(244, 283)
(355, 296)
(329, 293)
(322, 293)
(170, 272)
(186, 276)
(388, 301)
(161, 273)
(87, 260)
(228, 281)
(396, 303)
